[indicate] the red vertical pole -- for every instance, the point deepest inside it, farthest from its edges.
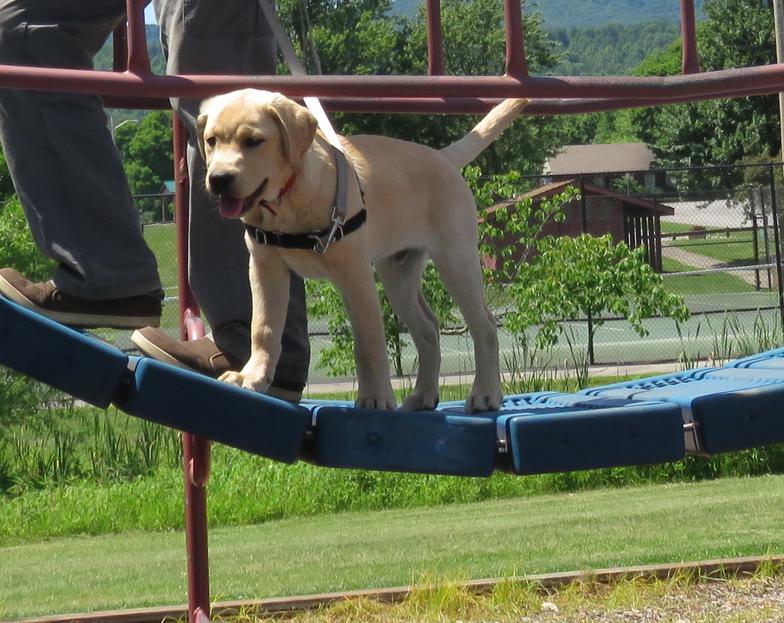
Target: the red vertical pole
(690, 62)
(516, 64)
(435, 39)
(196, 451)
(120, 48)
(138, 59)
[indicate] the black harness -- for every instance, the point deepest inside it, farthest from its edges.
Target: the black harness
(320, 240)
(317, 241)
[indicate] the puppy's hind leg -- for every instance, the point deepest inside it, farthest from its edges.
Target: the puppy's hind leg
(459, 267)
(358, 289)
(401, 275)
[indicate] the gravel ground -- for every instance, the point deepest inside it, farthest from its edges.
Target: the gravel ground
(748, 600)
(729, 601)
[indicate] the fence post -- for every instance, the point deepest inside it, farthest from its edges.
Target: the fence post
(589, 318)
(765, 234)
(755, 242)
(776, 241)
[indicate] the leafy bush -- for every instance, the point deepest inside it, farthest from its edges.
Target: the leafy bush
(18, 249)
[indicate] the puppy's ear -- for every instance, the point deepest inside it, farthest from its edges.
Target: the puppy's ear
(201, 122)
(297, 128)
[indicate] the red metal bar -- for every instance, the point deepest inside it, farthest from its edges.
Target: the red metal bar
(195, 530)
(516, 64)
(725, 83)
(188, 306)
(120, 48)
(435, 39)
(138, 58)
(451, 105)
(196, 451)
(690, 63)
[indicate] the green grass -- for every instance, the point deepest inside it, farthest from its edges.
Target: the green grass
(616, 527)
(710, 283)
(162, 239)
(735, 249)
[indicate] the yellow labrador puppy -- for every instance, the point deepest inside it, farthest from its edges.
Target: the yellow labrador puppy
(270, 167)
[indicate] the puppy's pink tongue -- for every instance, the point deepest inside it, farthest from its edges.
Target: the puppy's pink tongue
(230, 207)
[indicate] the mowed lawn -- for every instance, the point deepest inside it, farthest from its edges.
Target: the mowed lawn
(595, 529)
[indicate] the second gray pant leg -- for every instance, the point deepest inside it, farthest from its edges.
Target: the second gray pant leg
(65, 166)
(229, 37)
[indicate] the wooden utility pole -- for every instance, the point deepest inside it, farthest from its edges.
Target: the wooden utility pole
(778, 19)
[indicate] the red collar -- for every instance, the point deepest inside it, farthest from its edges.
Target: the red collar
(286, 188)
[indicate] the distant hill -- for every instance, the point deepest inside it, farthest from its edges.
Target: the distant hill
(612, 49)
(104, 58)
(587, 13)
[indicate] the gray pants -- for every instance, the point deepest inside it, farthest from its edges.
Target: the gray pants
(69, 177)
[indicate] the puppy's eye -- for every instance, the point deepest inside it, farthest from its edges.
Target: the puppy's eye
(210, 140)
(251, 142)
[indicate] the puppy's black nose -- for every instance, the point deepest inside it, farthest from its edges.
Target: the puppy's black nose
(220, 182)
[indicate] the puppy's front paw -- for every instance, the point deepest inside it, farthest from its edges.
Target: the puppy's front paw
(379, 401)
(420, 401)
(246, 381)
(480, 401)
(232, 378)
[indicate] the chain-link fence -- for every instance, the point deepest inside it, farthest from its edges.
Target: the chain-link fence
(712, 233)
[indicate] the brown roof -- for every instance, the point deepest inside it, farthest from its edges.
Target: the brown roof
(609, 158)
(555, 188)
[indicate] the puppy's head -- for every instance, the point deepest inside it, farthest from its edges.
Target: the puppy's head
(253, 142)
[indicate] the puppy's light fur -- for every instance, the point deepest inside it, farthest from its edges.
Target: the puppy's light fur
(418, 205)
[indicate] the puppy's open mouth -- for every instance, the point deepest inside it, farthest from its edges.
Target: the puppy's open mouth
(235, 207)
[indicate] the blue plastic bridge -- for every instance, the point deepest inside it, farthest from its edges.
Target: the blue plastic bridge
(652, 420)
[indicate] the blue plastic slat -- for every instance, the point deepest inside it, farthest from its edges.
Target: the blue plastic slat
(563, 438)
(423, 442)
(767, 363)
(753, 373)
(58, 356)
(218, 411)
(509, 403)
(769, 359)
(733, 413)
(663, 381)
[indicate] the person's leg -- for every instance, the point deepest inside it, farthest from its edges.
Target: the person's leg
(230, 37)
(65, 166)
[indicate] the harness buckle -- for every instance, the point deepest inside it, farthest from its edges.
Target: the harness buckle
(321, 243)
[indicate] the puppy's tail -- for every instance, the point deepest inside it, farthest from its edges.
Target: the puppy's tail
(466, 149)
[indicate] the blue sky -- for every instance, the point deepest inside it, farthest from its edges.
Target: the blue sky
(149, 16)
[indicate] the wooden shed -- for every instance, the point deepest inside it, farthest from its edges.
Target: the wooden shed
(599, 211)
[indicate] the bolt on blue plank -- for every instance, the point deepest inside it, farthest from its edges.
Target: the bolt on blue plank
(56, 355)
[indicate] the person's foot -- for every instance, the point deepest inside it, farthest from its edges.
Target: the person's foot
(202, 356)
(124, 313)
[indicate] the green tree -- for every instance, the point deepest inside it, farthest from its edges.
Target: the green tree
(548, 279)
(6, 184)
(736, 33)
(18, 249)
(145, 148)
